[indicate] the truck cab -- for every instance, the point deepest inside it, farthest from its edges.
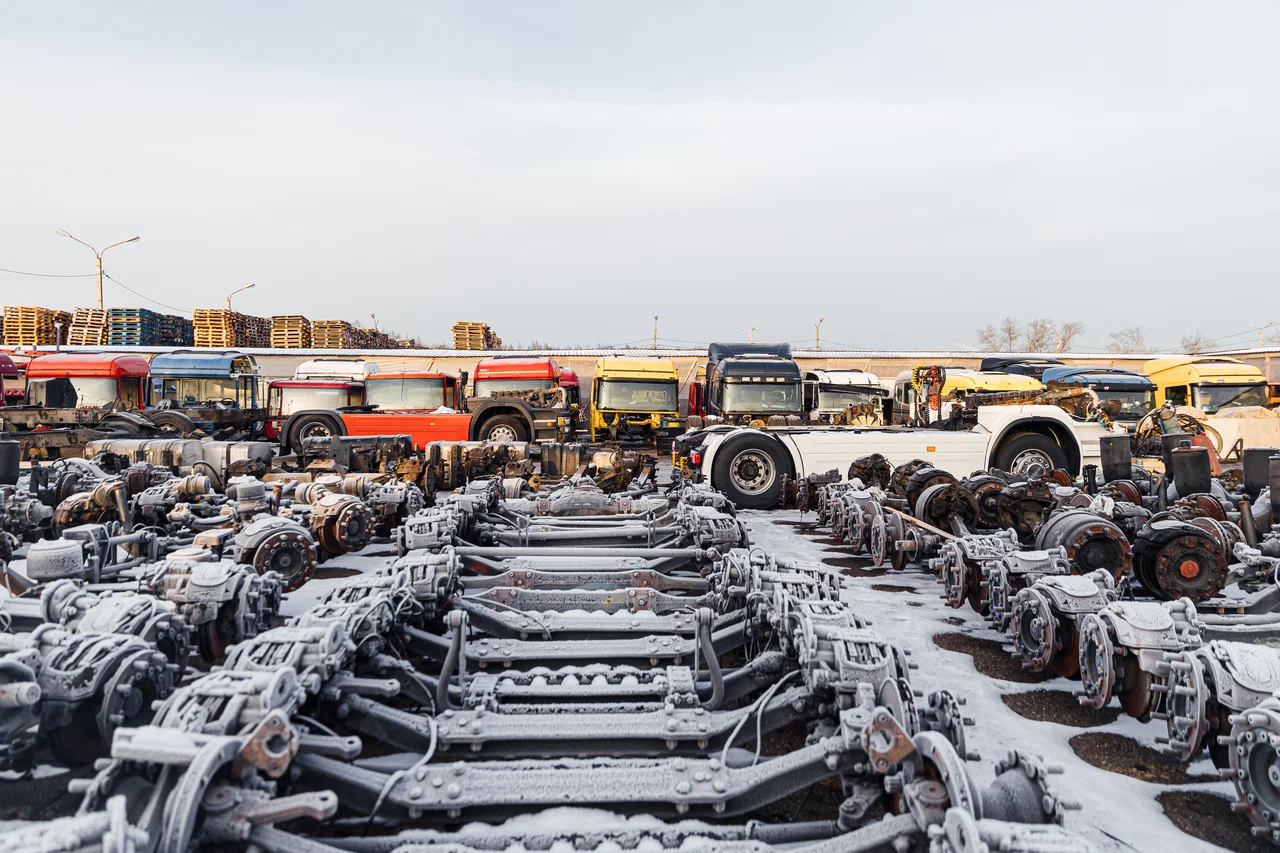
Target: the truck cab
(514, 374)
(1207, 383)
(87, 381)
(73, 398)
(635, 398)
(412, 392)
(1022, 365)
(748, 382)
(12, 379)
(321, 383)
(1134, 393)
(830, 396)
(569, 382)
(212, 390)
(959, 383)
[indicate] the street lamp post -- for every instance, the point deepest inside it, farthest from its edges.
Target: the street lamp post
(817, 331)
(98, 255)
(234, 292)
(751, 334)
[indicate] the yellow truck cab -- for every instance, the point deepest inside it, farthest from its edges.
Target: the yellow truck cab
(1207, 383)
(637, 398)
(959, 382)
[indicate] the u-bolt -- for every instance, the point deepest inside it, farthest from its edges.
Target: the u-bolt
(457, 620)
(705, 617)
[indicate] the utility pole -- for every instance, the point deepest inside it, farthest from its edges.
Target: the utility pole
(1260, 328)
(98, 255)
(751, 333)
(655, 331)
(817, 330)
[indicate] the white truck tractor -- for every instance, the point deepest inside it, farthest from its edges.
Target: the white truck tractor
(749, 465)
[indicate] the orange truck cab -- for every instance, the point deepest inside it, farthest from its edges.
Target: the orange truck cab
(430, 407)
(515, 374)
(286, 396)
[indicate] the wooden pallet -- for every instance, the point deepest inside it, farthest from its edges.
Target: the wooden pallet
(29, 325)
(88, 327)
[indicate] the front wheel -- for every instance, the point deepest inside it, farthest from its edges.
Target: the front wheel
(1029, 455)
(310, 426)
(503, 428)
(749, 471)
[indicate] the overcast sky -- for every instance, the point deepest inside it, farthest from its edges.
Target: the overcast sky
(564, 171)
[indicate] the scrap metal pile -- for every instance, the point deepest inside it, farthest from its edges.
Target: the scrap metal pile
(526, 650)
(1161, 593)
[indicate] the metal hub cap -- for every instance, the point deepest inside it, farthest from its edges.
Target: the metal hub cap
(753, 472)
(1031, 464)
(502, 432)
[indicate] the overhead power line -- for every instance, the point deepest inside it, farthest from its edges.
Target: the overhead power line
(144, 296)
(49, 274)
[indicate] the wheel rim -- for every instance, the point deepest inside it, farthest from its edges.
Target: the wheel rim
(316, 430)
(1031, 464)
(753, 472)
(502, 432)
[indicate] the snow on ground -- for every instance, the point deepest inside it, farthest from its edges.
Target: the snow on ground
(1118, 812)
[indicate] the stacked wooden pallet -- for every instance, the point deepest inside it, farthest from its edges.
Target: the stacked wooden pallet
(30, 325)
(133, 327)
(218, 327)
(257, 332)
(332, 334)
(467, 335)
(290, 331)
(88, 327)
(177, 331)
(373, 339)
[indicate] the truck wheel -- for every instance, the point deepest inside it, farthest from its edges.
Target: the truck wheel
(503, 428)
(749, 471)
(1027, 455)
(310, 426)
(122, 428)
(170, 423)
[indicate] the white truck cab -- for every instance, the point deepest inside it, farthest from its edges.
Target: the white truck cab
(748, 464)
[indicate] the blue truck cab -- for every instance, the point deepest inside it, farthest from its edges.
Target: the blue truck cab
(216, 390)
(1135, 392)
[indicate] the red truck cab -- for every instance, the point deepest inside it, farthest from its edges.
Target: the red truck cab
(87, 381)
(411, 392)
(514, 373)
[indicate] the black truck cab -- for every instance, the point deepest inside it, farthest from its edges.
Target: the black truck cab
(748, 382)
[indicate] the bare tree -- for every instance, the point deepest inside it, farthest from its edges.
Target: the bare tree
(1132, 339)
(1067, 334)
(1195, 343)
(1038, 336)
(1002, 339)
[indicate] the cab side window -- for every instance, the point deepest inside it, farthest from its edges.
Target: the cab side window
(1176, 394)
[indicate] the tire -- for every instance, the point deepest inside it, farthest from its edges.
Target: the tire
(122, 427)
(749, 471)
(310, 426)
(172, 422)
(1027, 454)
(503, 428)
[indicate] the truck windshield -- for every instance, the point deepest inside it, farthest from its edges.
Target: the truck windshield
(81, 392)
(290, 400)
(1211, 398)
(637, 396)
(405, 393)
(489, 387)
(185, 391)
(1133, 404)
(834, 400)
(751, 397)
